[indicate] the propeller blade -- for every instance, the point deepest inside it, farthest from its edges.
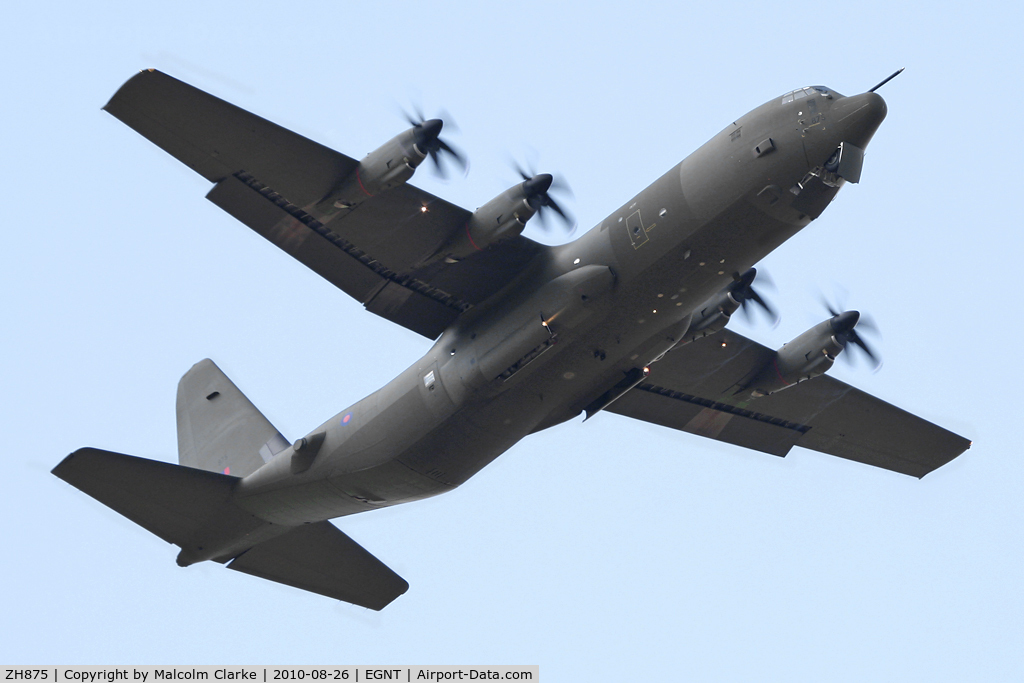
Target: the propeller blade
(429, 141)
(828, 306)
(560, 186)
(867, 323)
(567, 219)
(765, 306)
(743, 291)
(539, 188)
(745, 312)
(859, 342)
(542, 219)
(456, 155)
(439, 166)
(845, 326)
(449, 121)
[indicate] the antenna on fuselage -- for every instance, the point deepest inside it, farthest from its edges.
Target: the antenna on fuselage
(888, 79)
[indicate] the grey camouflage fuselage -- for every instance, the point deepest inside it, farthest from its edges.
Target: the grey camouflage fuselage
(616, 299)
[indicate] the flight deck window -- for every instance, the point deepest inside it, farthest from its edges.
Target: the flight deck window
(817, 90)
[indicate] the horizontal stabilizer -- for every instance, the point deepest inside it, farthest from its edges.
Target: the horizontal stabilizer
(321, 559)
(191, 508)
(173, 502)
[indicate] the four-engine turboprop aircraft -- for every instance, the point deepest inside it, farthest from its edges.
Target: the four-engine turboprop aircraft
(630, 318)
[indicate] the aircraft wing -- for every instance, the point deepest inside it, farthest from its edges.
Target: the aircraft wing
(691, 389)
(269, 178)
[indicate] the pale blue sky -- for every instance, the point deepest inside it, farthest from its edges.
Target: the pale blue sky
(598, 551)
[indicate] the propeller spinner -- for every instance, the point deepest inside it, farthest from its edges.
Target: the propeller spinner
(538, 188)
(427, 138)
(844, 326)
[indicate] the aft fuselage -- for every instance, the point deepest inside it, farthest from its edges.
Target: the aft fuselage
(578, 321)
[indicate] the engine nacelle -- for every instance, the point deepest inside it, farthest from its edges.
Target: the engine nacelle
(717, 311)
(502, 218)
(809, 355)
(713, 316)
(392, 164)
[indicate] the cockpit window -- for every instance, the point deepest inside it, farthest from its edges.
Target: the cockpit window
(814, 91)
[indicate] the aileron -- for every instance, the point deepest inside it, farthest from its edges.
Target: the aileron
(218, 139)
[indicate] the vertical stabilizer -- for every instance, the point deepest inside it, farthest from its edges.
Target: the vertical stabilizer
(219, 429)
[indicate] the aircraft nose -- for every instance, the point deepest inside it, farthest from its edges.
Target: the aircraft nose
(859, 116)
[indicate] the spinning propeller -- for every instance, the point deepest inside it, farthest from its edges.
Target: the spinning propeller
(427, 137)
(538, 188)
(844, 325)
(742, 290)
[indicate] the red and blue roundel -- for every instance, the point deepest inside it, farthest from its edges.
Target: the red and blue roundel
(346, 419)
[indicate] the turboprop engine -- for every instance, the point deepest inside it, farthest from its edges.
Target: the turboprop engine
(392, 164)
(809, 355)
(503, 217)
(717, 311)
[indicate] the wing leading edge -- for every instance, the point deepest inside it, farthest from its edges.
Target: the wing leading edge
(271, 179)
(691, 390)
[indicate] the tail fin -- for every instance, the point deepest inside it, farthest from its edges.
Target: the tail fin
(219, 429)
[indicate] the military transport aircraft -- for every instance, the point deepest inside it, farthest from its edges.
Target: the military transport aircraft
(630, 317)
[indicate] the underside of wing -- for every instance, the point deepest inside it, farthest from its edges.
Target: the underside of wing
(384, 276)
(217, 139)
(693, 389)
(272, 179)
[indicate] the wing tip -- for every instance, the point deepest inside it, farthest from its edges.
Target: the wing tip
(62, 468)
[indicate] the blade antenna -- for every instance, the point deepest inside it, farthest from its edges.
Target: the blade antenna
(888, 79)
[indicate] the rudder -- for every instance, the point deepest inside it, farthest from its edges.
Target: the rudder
(219, 429)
